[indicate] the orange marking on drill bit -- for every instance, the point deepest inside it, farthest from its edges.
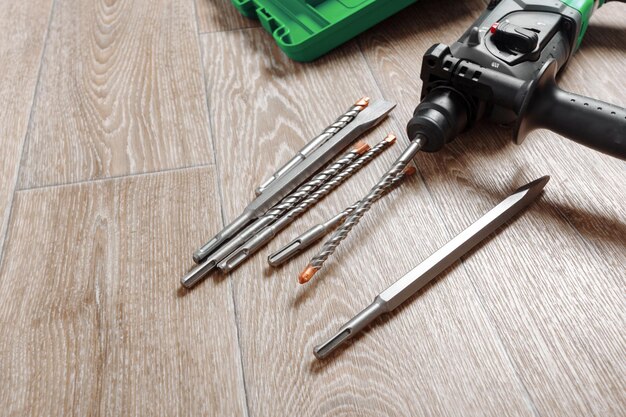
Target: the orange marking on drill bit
(410, 170)
(391, 138)
(361, 147)
(306, 275)
(363, 101)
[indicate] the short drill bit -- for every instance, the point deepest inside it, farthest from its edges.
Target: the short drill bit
(422, 274)
(258, 241)
(283, 186)
(308, 238)
(364, 205)
(316, 142)
(203, 269)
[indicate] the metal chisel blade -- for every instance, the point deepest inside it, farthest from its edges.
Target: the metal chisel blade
(285, 184)
(422, 274)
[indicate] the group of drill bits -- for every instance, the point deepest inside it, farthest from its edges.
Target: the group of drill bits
(309, 177)
(296, 187)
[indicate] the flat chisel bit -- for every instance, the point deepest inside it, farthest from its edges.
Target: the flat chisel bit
(251, 246)
(206, 266)
(306, 239)
(422, 274)
(317, 141)
(286, 183)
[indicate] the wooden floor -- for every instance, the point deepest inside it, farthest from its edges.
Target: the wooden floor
(133, 130)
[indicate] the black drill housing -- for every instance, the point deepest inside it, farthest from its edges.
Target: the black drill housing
(506, 74)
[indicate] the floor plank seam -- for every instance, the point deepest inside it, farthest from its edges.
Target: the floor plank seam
(492, 322)
(5, 225)
(114, 178)
(242, 374)
(214, 32)
(239, 350)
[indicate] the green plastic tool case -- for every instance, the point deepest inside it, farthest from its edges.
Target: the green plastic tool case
(307, 29)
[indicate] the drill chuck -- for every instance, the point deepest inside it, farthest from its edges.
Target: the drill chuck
(440, 117)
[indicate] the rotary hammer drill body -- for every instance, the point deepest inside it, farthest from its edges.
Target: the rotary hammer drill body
(503, 68)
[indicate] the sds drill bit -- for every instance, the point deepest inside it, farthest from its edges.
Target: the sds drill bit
(318, 141)
(203, 269)
(285, 184)
(422, 274)
(308, 238)
(267, 234)
(364, 205)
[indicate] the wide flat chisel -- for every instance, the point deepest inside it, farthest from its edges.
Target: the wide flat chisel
(286, 183)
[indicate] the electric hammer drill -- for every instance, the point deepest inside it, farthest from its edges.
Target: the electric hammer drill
(504, 67)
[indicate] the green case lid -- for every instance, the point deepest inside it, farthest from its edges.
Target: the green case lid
(307, 29)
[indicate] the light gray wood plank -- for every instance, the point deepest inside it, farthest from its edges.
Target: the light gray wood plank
(92, 319)
(438, 356)
(552, 282)
(21, 44)
(220, 15)
(121, 93)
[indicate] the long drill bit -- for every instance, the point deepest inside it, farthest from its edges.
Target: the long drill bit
(203, 269)
(308, 238)
(364, 205)
(254, 244)
(422, 274)
(283, 186)
(316, 142)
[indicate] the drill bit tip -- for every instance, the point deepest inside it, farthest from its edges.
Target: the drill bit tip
(306, 275)
(361, 147)
(391, 138)
(363, 101)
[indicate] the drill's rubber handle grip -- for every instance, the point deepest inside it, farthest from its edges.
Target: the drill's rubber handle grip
(590, 122)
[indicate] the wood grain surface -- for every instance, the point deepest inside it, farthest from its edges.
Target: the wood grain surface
(96, 325)
(366, 380)
(575, 274)
(22, 41)
(190, 106)
(120, 93)
(220, 15)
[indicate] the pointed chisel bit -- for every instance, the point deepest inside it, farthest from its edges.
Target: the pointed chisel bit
(418, 277)
(286, 183)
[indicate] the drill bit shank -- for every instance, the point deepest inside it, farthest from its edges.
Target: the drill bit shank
(364, 205)
(254, 244)
(422, 274)
(282, 186)
(308, 238)
(195, 275)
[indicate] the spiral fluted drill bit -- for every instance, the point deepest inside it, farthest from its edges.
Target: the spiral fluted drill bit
(203, 269)
(308, 238)
(318, 141)
(267, 234)
(366, 202)
(285, 184)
